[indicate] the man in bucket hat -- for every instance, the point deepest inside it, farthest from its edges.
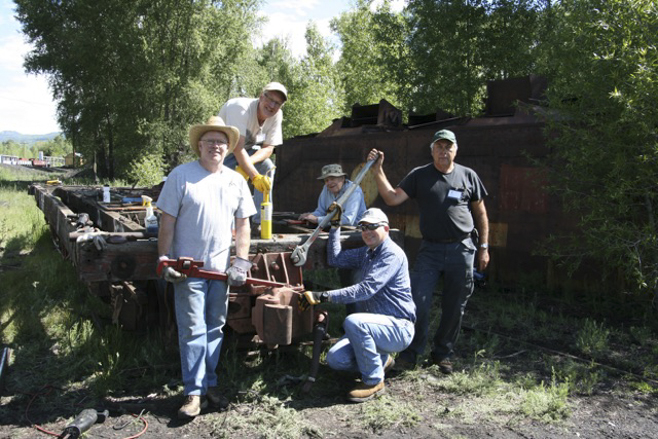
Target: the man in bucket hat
(259, 121)
(199, 202)
(384, 316)
(335, 185)
(450, 200)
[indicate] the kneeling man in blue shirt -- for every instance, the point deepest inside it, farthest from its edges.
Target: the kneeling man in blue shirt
(383, 321)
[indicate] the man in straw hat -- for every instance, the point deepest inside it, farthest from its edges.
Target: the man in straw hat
(383, 320)
(259, 121)
(199, 202)
(335, 185)
(451, 202)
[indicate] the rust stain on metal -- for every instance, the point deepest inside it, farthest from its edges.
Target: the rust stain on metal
(498, 235)
(522, 189)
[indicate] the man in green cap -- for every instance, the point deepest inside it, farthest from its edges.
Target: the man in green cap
(450, 200)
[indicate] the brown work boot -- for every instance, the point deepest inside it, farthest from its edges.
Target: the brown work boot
(363, 392)
(192, 406)
(390, 363)
(402, 365)
(216, 398)
(445, 366)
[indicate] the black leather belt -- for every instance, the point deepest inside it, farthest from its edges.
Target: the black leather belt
(448, 241)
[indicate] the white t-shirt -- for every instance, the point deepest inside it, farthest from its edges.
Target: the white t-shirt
(241, 113)
(204, 205)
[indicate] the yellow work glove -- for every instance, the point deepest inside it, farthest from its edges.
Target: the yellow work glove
(262, 183)
(240, 171)
(337, 213)
(308, 298)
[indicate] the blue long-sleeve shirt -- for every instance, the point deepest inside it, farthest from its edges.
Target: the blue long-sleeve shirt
(352, 210)
(384, 288)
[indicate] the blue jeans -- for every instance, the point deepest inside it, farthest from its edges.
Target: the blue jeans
(262, 167)
(201, 307)
(455, 262)
(368, 340)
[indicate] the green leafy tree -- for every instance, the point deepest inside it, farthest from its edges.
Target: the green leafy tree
(57, 147)
(11, 147)
(444, 42)
(315, 90)
(510, 38)
(132, 76)
(603, 65)
(373, 64)
(458, 45)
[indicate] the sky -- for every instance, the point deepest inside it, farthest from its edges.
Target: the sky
(26, 104)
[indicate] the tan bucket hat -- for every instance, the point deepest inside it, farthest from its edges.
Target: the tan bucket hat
(215, 123)
(333, 170)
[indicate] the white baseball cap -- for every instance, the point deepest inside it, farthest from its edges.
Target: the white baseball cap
(374, 215)
(277, 86)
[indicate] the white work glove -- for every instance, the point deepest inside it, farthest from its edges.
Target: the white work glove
(97, 239)
(237, 273)
(171, 275)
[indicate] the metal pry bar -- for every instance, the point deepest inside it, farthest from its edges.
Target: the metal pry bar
(300, 254)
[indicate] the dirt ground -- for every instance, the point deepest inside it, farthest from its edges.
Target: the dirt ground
(605, 415)
(415, 405)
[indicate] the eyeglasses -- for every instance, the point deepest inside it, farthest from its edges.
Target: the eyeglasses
(371, 227)
(213, 142)
(273, 102)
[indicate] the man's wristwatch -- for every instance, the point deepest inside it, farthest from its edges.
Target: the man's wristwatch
(324, 297)
(484, 246)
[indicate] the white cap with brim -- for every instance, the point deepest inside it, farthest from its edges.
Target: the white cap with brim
(277, 86)
(215, 123)
(373, 215)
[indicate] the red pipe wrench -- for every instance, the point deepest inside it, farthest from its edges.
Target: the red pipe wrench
(192, 268)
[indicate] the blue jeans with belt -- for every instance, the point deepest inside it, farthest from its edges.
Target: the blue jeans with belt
(262, 167)
(455, 262)
(368, 341)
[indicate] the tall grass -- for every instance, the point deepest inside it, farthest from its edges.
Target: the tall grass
(46, 314)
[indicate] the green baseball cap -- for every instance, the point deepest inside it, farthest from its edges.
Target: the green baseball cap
(444, 134)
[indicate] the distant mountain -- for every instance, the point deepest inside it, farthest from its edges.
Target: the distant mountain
(26, 138)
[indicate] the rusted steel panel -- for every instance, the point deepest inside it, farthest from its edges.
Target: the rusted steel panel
(523, 189)
(520, 212)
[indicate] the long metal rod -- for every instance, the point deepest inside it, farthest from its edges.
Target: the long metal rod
(4, 360)
(299, 255)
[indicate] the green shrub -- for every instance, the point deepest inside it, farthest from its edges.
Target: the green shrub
(146, 171)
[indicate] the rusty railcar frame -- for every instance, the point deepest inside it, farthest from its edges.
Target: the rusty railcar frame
(123, 273)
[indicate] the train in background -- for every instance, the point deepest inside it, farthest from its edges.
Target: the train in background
(41, 162)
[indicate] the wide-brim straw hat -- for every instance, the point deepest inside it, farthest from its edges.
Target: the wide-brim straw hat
(215, 123)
